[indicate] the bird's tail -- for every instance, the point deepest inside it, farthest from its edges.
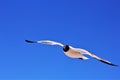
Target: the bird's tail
(29, 41)
(84, 58)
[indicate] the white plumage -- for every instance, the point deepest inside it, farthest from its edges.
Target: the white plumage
(71, 51)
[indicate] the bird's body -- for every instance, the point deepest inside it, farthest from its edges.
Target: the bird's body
(71, 51)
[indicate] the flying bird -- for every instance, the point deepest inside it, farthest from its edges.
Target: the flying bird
(73, 52)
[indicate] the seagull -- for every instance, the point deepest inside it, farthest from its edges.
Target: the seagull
(73, 52)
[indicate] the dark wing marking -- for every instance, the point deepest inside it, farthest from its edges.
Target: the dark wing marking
(29, 41)
(108, 63)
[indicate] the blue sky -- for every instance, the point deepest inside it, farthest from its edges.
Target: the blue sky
(90, 24)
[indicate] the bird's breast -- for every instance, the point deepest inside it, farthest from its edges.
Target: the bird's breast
(73, 54)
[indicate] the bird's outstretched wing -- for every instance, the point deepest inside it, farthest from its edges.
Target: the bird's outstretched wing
(83, 51)
(46, 42)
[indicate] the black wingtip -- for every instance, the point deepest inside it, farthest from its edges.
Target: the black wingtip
(114, 65)
(108, 63)
(29, 41)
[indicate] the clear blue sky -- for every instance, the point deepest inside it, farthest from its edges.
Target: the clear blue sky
(90, 24)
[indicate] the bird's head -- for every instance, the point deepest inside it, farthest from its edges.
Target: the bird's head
(66, 48)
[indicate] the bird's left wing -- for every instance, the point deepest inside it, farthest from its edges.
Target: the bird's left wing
(83, 51)
(46, 42)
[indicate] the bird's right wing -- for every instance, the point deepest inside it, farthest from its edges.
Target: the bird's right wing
(46, 42)
(83, 51)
